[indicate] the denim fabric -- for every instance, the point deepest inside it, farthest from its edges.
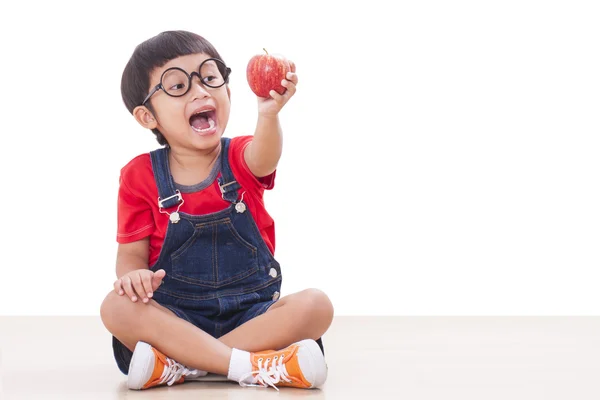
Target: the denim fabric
(219, 271)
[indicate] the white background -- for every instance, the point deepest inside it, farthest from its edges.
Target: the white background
(440, 158)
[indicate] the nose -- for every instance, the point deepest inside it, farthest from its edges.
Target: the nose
(197, 88)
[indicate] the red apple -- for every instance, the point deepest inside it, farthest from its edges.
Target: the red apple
(265, 73)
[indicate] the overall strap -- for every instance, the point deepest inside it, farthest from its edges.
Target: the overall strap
(227, 183)
(168, 195)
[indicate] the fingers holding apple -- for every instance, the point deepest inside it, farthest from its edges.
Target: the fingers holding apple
(273, 79)
(290, 86)
(292, 77)
(274, 104)
(290, 81)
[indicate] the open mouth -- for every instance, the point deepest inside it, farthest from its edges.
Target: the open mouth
(203, 121)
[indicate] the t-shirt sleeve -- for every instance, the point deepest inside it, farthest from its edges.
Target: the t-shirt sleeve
(134, 215)
(237, 148)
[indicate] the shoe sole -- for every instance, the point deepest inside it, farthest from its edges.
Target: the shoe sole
(317, 361)
(139, 371)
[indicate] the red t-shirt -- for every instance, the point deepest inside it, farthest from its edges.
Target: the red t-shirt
(138, 215)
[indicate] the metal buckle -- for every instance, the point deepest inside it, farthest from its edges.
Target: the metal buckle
(177, 194)
(222, 187)
(173, 217)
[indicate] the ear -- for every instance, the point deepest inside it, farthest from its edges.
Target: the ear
(144, 117)
(228, 92)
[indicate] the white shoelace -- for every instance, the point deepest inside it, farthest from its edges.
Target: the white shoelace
(267, 375)
(173, 371)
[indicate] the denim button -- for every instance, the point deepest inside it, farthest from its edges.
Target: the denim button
(273, 273)
(275, 296)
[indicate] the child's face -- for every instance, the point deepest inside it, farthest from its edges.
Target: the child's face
(178, 118)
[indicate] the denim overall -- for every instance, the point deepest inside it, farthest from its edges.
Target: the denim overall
(219, 271)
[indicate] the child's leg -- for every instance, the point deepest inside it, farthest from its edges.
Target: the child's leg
(151, 323)
(303, 315)
(302, 367)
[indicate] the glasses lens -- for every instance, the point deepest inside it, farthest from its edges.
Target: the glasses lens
(175, 82)
(212, 72)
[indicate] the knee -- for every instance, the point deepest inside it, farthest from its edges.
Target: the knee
(316, 304)
(115, 312)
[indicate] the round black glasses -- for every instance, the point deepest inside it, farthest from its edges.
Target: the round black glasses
(175, 82)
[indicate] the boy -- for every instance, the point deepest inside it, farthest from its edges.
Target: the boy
(198, 286)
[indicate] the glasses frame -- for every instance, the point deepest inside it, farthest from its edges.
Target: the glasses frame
(190, 77)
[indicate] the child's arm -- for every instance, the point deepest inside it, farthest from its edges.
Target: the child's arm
(263, 153)
(134, 277)
(132, 256)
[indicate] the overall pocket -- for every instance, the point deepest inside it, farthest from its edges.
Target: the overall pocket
(216, 255)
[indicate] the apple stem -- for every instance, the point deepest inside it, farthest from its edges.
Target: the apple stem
(266, 51)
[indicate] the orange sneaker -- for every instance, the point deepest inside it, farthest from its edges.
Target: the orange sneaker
(301, 365)
(149, 367)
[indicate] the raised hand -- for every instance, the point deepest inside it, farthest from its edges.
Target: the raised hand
(270, 107)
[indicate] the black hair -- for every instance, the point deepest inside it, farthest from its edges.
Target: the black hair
(154, 53)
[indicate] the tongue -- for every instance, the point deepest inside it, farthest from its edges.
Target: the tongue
(200, 122)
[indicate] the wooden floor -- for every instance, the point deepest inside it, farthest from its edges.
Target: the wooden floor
(481, 358)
